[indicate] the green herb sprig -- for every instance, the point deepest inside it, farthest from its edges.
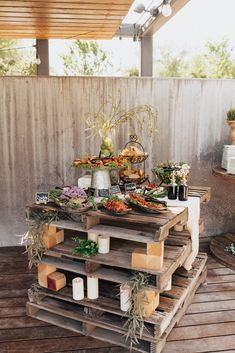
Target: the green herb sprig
(85, 248)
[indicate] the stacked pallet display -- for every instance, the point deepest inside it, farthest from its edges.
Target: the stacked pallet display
(138, 242)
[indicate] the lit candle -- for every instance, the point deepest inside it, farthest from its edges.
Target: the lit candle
(125, 296)
(103, 244)
(92, 287)
(169, 284)
(78, 288)
(93, 236)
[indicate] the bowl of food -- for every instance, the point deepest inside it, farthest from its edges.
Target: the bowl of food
(70, 199)
(134, 154)
(133, 176)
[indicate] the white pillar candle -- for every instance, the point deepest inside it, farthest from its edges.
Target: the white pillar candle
(169, 284)
(103, 244)
(78, 288)
(125, 297)
(92, 287)
(93, 236)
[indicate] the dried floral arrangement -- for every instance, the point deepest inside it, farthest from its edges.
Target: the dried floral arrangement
(135, 323)
(33, 238)
(111, 116)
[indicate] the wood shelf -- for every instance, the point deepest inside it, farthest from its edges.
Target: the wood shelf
(222, 173)
(176, 251)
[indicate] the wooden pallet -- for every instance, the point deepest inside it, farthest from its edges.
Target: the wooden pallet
(200, 191)
(156, 226)
(103, 319)
(116, 265)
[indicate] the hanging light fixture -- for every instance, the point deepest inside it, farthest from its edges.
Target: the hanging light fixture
(166, 8)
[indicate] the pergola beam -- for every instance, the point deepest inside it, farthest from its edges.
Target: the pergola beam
(157, 22)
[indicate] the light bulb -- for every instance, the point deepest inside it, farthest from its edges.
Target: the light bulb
(37, 61)
(166, 10)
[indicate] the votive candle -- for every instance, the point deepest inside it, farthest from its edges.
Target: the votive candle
(103, 244)
(92, 287)
(78, 288)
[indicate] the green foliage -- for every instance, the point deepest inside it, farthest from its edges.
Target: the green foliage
(231, 115)
(133, 72)
(85, 248)
(170, 64)
(85, 58)
(216, 61)
(13, 61)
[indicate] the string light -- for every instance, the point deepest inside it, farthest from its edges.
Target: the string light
(36, 61)
(165, 6)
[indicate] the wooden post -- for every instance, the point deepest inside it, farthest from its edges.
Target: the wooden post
(146, 56)
(42, 52)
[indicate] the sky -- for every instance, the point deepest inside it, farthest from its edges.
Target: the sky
(190, 28)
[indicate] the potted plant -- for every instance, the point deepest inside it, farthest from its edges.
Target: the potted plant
(231, 123)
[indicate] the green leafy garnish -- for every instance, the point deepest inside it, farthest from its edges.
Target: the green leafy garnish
(85, 248)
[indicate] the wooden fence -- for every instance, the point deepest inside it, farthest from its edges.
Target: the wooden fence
(42, 129)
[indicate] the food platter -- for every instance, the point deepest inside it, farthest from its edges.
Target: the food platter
(140, 204)
(115, 206)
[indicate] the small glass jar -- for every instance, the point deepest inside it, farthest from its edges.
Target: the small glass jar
(172, 191)
(183, 192)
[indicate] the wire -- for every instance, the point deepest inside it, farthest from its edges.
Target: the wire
(8, 49)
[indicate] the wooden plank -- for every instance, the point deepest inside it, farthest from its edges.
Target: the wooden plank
(221, 287)
(209, 344)
(221, 279)
(211, 306)
(208, 330)
(114, 232)
(214, 296)
(31, 333)
(21, 322)
(209, 318)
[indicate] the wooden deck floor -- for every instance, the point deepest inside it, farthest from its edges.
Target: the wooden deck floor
(208, 326)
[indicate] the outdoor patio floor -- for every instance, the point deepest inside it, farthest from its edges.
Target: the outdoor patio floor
(208, 326)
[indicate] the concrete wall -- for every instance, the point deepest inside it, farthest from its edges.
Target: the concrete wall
(42, 130)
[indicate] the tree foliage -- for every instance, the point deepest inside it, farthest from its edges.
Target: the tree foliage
(14, 61)
(216, 61)
(85, 58)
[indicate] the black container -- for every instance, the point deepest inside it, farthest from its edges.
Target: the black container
(172, 192)
(183, 192)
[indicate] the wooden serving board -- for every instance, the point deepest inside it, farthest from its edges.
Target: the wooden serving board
(105, 316)
(218, 249)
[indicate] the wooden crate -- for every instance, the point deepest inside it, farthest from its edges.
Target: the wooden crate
(103, 319)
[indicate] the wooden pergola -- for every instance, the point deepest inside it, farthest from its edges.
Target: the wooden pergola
(76, 19)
